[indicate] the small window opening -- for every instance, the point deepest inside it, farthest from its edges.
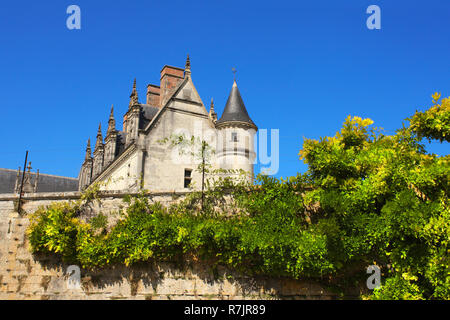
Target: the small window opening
(234, 137)
(187, 177)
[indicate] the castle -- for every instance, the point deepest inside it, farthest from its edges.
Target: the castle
(135, 157)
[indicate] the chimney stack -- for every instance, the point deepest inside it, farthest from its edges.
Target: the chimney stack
(170, 79)
(153, 95)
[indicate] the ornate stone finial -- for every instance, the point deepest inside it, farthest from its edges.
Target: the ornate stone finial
(27, 186)
(212, 113)
(134, 95)
(88, 150)
(187, 69)
(99, 142)
(234, 73)
(111, 122)
(188, 63)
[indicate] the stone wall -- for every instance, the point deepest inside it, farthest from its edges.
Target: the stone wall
(27, 276)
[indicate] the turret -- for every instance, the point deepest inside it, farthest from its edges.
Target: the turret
(236, 131)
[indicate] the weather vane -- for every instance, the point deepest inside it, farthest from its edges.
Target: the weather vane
(234, 72)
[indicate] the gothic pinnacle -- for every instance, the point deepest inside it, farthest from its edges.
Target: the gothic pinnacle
(99, 142)
(88, 150)
(134, 95)
(212, 113)
(111, 122)
(187, 69)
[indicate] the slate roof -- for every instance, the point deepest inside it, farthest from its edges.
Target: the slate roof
(235, 109)
(147, 114)
(46, 183)
(120, 142)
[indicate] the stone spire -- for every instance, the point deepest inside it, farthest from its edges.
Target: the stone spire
(134, 95)
(212, 113)
(88, 151)
(99, 142)
(187, 69)
(111, 122)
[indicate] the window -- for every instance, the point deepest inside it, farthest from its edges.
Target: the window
(234, 137)
(187, 177)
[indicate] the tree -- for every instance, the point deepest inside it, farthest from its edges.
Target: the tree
(388, 200)
(433, 123)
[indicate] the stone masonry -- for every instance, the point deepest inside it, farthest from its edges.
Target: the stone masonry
(27, 276)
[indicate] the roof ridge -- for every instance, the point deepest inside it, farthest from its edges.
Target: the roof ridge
(42, 174)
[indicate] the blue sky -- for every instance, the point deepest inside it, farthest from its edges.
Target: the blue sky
(303, 66)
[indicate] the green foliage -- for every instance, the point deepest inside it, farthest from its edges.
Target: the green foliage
(433, 123)
(99, 222)
(388, 201)
(55, 230)
(267, 243)
(397, 288)
(367, 198)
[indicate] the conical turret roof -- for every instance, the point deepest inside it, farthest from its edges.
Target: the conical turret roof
(235, 110)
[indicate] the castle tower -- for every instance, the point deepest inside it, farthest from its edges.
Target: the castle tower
(86, 169)
(98, 154)
(236, 131)
(110, 140)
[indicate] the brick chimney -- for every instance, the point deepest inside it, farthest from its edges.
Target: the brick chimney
(170, 79)
(153, 95)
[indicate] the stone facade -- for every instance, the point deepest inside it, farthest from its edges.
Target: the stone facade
(27, 276)
(136, 155)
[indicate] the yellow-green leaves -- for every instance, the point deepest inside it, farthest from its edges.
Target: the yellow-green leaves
(433, 123)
